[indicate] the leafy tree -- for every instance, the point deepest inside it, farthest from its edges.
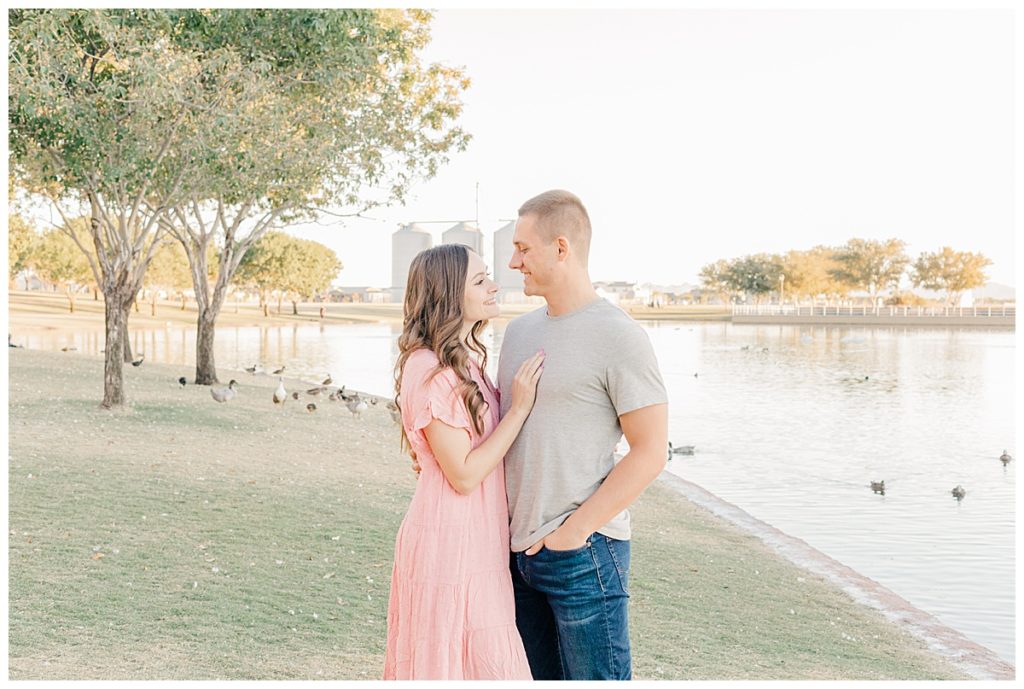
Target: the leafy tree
(21, 243)
(140, 115)
(309, 269)
(870, 265)
(263, 266)
(169, 270)
(97, 107)
(318, 108)
(949, 271)
(755, 275)
(714, 277)
(288, 266)
(58, 260)
(809, 273)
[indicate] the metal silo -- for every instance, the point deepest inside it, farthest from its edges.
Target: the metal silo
(465, 233)
(509, 281)
(405, 244)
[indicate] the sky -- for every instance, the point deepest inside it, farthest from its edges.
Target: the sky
(693, 135)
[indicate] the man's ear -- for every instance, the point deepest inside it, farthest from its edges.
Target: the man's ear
(563, 248)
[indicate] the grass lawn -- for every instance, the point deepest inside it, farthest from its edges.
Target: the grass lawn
(184, 539)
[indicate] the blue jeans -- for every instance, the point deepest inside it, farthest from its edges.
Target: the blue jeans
(571, 610)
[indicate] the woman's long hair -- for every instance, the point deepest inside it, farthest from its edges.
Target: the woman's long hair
(433, 320)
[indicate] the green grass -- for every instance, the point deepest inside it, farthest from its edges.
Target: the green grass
(243, 541)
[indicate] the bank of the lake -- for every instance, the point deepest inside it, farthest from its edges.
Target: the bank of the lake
(38, 309)
(182, 539)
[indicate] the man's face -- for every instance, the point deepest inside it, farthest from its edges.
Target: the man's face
(533, 257)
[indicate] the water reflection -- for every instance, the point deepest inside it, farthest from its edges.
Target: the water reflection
(791, 423)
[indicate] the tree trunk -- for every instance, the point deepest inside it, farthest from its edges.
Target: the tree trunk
(136, 302)
(206, 368)
(152, 308)
(182, 301)
(95, 294)
(126, 344)
(295, 307)
(279, 300)
(71, 300)
(113, 380)
(266, 310)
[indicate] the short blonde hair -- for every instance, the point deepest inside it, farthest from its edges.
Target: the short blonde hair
(561, 212)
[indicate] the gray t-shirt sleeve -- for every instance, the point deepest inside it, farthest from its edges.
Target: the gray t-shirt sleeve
(632, 375)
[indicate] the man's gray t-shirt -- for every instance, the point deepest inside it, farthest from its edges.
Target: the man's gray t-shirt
(599, 365)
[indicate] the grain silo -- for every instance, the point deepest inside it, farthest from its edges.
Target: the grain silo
(509, 281)
(465, 233)
(405, 244)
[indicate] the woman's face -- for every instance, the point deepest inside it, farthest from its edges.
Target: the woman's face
(479, 303)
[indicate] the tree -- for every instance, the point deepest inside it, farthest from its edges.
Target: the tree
(755, 275)
(949, 271)
(262, 266)
(97, 104)
(239, 118)
(714, 278)
(808, 273)
(21, 245)
(58, 260)
(320, 108)
(169, 270)
(870, 265)
(309, 269)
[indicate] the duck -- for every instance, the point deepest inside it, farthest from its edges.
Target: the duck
(69, 348)
(681, 450)
(311, 407)
(280, 395)
(327, 380)
(295, 395)
(251, 369)
(1005, 458)
(182, 381)
(959, 492)
(279, 371)
(138, 362)
(373, 401)
(356, 405)
(224, 394)
(396, 415)
(878, 487)
(315, 391)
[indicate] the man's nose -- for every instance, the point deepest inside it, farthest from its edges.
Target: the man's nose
(514, 262)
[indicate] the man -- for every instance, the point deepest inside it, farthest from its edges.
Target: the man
(567, 498)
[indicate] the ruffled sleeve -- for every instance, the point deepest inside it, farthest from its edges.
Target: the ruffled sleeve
(436, 397)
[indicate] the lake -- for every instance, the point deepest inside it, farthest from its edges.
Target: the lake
(790, 423)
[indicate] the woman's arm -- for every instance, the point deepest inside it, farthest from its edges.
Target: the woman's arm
(464, 468)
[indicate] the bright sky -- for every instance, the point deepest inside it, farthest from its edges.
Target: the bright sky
(693, 135)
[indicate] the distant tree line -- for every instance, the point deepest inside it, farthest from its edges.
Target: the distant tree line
(833, 273)
(276, 264)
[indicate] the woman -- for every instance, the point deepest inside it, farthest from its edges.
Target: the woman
(451, 612)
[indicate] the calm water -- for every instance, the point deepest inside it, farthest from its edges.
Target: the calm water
(793, 435)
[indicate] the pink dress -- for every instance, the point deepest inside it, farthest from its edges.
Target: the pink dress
(451, 612)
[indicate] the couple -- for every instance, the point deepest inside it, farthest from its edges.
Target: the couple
(512, 561)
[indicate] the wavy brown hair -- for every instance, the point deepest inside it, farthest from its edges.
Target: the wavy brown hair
(432, 319)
